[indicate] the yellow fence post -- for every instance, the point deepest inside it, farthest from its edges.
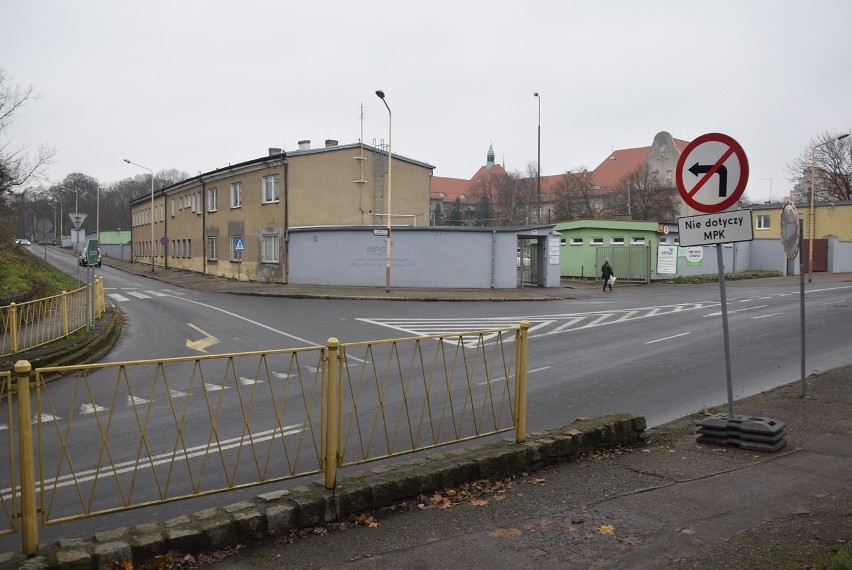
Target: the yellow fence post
(13, 328)
(331, 425)
(29, 526)
(99, 295)
(65, 313)
(521, 385)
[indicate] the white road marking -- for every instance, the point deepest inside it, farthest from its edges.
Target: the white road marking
(736, 311)
(499, 378)
(767, 315)
(165, 458)
(261, 325)
(138, 295)
(667, 338)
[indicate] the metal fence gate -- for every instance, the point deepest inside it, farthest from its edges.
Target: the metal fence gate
(631, 263)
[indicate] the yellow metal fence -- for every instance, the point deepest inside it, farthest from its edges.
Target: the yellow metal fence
(116, 436)
(41, 321)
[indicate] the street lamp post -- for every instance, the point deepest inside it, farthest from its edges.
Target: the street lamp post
(629, 207)
(381, 95)
(152, 208)
(538, 163)
(811, 210)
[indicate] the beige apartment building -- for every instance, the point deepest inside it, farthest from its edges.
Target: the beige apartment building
(234, 221)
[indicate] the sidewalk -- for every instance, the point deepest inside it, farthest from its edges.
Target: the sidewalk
(195, 280)
(570, 289)
(672, 503)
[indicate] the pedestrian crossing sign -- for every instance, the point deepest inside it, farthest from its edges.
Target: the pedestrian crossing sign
(239, 244)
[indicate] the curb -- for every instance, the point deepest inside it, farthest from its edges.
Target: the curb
(81, 348)
(277, 513)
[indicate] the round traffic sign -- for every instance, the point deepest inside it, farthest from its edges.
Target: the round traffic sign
(712, 173)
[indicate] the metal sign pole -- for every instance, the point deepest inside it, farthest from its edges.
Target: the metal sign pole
(727, 340)
(802, 303)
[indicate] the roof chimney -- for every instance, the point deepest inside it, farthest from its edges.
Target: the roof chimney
(305, 145)
(330, 143)
(274, 151)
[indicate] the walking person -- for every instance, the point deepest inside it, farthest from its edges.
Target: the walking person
(607, 274)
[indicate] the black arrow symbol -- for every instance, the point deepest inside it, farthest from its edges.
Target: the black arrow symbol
(697, 169)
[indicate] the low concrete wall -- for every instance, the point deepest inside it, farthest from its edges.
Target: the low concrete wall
(280, 512)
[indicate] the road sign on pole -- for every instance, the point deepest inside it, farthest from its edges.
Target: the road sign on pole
(724, 227)
(77, 219)
(712, 173)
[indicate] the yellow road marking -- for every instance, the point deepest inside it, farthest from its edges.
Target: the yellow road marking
(202, 344)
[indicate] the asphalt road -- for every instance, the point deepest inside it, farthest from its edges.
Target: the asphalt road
(653, 350)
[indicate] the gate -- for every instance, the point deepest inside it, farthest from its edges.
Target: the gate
(820, 255)
(631, 263)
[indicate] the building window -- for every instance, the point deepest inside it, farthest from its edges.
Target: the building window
(212, 195)
(236, 195)
(676, 241)
(664, 240)
(668, 174)
(173, 207)
(270, 189)
(232, 242)
(576, 241)
(212, 248)
(763, 221)
(187, 248)
(269, 248)
(616, 241)
(595, 241)
(637, 240)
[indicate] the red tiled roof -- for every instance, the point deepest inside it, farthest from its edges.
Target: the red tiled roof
(607, 175)
(611, 171)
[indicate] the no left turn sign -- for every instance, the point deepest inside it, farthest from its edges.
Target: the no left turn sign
(712, 173)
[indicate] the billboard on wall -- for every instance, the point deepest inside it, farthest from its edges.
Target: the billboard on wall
(694, 255)
(667, 259)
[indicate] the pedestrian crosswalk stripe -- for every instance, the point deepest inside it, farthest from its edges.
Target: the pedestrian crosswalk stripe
(138, 295)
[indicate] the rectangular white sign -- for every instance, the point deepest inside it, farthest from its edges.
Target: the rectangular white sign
(722, 227)
(667, 259)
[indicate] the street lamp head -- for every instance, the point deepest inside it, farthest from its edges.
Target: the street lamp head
(127, 161)
(381, 94)
(535, 94)
(841, 137)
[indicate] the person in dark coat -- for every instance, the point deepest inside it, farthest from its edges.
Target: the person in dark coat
(606, 273)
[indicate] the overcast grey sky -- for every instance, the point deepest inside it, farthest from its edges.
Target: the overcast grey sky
(196, 85)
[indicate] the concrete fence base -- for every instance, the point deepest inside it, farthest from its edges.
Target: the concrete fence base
(278, 513)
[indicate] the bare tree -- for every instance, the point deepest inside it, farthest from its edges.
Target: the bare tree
(17, 167)
(574, 196)
(832, 167)
(650, 197)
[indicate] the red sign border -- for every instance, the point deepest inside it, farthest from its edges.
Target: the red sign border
(741, 183)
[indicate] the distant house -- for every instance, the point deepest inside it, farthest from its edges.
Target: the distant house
(234, 221)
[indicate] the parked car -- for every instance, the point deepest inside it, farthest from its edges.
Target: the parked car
(48, 242)
(84, 258)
